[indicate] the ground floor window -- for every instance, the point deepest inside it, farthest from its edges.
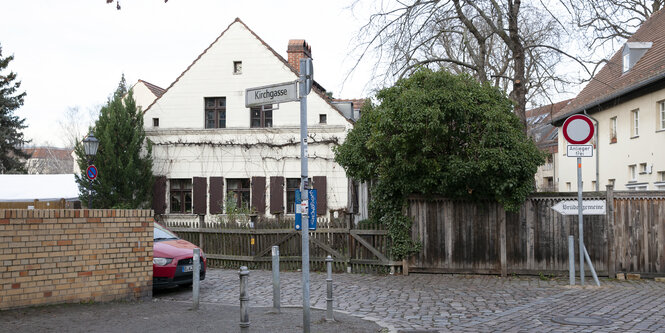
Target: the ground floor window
(181, 195)
(238, 192)
(292, 184)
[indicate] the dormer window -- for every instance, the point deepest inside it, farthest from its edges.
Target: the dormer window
(632, 52)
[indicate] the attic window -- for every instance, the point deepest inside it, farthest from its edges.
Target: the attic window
(237, 67)
(155, 122)
(632, 52)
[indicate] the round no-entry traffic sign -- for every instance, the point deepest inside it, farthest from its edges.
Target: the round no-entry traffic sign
(91, 172)
(578, 129)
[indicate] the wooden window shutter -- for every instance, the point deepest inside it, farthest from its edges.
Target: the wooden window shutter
(259, 194)
(276, 195)
(200, 195)
(159, 195)
(216, 195)
(321, 187)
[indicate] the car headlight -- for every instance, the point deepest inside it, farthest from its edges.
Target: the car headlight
(161, 261)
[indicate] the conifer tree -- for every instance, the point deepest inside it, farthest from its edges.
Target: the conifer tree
(124, 157)
(11, 137)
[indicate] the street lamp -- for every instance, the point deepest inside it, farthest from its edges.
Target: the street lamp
(90, 145)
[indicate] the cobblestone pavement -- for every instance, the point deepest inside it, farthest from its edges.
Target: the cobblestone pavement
(459, 303)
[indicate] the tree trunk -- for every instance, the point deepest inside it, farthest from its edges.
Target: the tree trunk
(518, 94)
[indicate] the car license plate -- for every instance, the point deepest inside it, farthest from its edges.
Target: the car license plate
(188, 268)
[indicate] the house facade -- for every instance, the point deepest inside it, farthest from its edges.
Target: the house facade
(545, 135)
(212, 153)
(626, 102)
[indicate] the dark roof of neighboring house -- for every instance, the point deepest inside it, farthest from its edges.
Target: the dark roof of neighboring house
(540, 128)
(316, 87)
(157, 91)
(611, 83)
(48, 152)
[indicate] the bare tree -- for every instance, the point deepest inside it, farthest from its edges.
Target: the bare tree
(512, 45)
(610, 21)
(73, 126)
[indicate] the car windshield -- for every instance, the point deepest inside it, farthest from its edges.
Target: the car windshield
(160, 234)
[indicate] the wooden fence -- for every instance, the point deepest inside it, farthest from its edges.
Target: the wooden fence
(358, 249)
(459, 237)
(36, 204)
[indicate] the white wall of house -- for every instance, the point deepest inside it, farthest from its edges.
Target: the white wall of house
(184, 148)
(142, 95)
(643, 151)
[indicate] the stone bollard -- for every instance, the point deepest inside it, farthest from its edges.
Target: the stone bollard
(243, 273)
(329, 289)
(196, 277)
(275, 279)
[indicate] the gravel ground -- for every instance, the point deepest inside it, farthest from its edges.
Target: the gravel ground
(170, 316)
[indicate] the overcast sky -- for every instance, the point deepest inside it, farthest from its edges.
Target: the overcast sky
(73, 53)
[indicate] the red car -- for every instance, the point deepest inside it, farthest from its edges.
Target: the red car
(172, 259)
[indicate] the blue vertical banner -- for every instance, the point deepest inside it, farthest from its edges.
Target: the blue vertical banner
(298, 213)
(311, 209)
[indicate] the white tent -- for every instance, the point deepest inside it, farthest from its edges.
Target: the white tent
(22, 188)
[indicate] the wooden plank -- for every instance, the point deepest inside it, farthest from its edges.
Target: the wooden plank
(370, 248)
(278, 242)
(502, 240)
(327, 248)
(611, 246)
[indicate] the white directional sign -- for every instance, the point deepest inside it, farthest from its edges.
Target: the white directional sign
(579, 151)
(272, 94)
(589, 207)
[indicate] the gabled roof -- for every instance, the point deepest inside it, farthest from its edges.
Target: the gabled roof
(316, 87)
(540, 129)
(155, 90)
(611, 83)
(49, 152)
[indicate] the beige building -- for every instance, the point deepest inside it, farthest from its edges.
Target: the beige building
(626, 101)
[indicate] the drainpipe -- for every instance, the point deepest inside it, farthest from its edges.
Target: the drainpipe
(597, 151)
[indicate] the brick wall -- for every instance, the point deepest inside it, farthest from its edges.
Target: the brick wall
(57, 256)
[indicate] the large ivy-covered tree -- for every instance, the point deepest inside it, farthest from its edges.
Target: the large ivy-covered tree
(124, 157)
(11, 137)
(436, 133)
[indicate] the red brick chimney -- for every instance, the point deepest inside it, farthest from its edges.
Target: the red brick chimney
(296, 50)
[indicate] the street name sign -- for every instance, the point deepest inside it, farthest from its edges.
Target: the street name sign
(589, 207)
(579, 151)
(272, 94)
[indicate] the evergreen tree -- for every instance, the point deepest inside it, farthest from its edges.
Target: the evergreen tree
(124, 157)
(11, 137)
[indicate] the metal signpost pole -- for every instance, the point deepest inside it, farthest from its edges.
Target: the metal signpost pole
(303, 187)
(580, 224)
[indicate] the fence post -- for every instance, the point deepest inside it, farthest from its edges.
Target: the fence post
(196, 276)
(243, 273)
(329, 289)
(275, 278)
(571, 259)
(502, 241)
(611, 255)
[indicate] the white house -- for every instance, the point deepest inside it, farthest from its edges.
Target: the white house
(626, 101)
(209, 148)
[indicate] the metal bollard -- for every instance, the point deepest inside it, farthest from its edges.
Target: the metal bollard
(243, 273)
(329, 298)
(275, 278)
(196, 277)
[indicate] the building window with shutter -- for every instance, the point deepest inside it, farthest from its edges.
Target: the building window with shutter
(238, 192)
(181, 195)
(261, 116)
(215, 112)
(292, 184)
